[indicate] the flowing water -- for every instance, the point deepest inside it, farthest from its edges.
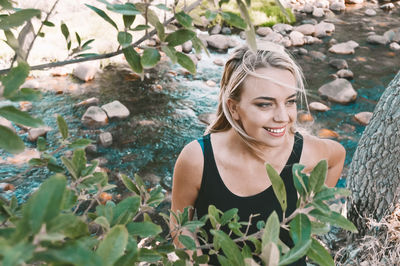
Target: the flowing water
(163, 120)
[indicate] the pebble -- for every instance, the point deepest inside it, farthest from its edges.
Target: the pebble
(106, 139)
(394, 46)
(339, 90)
(187, 46)
(88, 102)
(308, 8)
(303, 51)
(94, 117)
(343, 48)
(23, 157)
(31, 84)
(318, 12)
(352, 2)
(305, 117)
(363, 117)
(345, 73)
(377, 39)
(282, 28)
(337, 6)
(263, 31)
(338, 63)
(370, 12)
(306, 29)
(317, 106)
(318, 56)
(211, 83)
(219, 62)
(388, 6)
(115, 109)
(226, 31)
(35, 133)
(325, 133)
(6, 187)
(216, 29)
(85, 71)
(273, 37)
(297, 38)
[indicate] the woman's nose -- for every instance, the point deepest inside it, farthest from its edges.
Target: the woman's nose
(281, 114)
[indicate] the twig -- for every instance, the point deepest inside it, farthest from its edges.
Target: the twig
(103, 56)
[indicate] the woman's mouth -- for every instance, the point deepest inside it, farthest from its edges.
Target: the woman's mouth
(276, 132)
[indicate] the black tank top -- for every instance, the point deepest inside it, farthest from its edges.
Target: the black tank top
(214, 192)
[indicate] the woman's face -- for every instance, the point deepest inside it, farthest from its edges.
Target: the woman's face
(267, 110)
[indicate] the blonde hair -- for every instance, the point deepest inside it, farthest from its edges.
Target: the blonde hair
(244, 62)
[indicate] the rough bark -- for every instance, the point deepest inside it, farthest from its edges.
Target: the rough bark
(374, 174)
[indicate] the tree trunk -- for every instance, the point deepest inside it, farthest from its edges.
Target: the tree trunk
(374, 174)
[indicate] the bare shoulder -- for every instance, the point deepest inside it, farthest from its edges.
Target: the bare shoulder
(191, 156)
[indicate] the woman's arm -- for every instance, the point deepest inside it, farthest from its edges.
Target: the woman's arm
(336, 157)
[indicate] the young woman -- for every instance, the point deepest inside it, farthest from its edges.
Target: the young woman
(255, 125)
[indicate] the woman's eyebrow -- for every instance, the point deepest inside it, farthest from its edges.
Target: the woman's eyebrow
(273, 99)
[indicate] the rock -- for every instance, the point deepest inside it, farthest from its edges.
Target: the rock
(345, 73)
(226, 31)
(363, 118)
(393, 35)
(327, 134)
(388, 6)
(6, 123)
(105, 139)
(304, 117)
(94, 117)
(308, 39)
(340, 90)
(303, 51)
(394, 46)
(347, 128)
(219, 42)
(318, 12)
(216, 29)
(35, 133)
(211, 83)
(352, 2)
(204, 22)
(306, 29)
(273, 37)
(91, 148)
(207, 118)
(282, 28)
(337, 6)
(322, 29)
(194, 59)
(25, 106)
(88, 102)
(116, 109)
(263, 31)
(343, 48)
(85, 71)
(338, 63)
(242, 35)
(318, 56)
(219, 62)
(297, 38)
(377, 39)
(308, 8)
(23, 157)
(232, 42)
(6, 187)
(322, 4)
(203, 39)
(187, 46)
(286, 42)
(31, 84)
(317, 106)
(370, 12)
(311, 21)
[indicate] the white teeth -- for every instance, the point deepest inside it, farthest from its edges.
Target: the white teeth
(275, 130)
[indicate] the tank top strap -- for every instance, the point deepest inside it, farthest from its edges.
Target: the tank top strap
(297, 149)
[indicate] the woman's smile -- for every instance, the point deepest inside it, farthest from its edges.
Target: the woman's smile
(276, 131)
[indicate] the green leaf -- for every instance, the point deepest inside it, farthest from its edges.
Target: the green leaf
(156, 197)
(90, 169)
(160, 30)
(26, 94)
(106, 210)
(102, 221)
(300, 229)
(129, 184)
(322, 207)
(234, 19)
(250, 32)
(319, 228)
(298, 179)
(193, 225)
(334, 218)
(10, 141)
(187, 241)
(126, 210)
(113, 245)
(65, 32)
(70, 167)
(182, 254)
(124, 38)
(211, 15)
(143, 229)
(17, 254)
(221, 2)
(69, 200)
(127, 9)
(13, 114)
(14, 79)
(5, 4)
(184, 19)
(278, 186)
(318, 176)
(18, 18)
(198, 45)
(128, 20)
(85, 45)
(170, 52)
(229, 247)
(62, 127)
(150, 57)
(103, 14)
(48, 23)
(80, 143)
(163, 7)
(228, 215)
(271, 230)
(319, 254)
(11, 40)
(186, 62)
(270, 254)
(133, 59)
(148, 255)
(296, 253)
(141, 27)
(69, 225)
(179, 37)
(79, 161)
(329, 193)
(213, 214)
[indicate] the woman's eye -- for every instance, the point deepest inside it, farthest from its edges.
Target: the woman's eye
(291, 102)
(264, 105)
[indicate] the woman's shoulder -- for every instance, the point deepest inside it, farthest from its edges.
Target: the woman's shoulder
(316, 149)
(192, 155)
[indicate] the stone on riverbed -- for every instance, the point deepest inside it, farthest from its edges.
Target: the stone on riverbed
(263, 31)
(306, 29)
(22, 158)
(282, 28)
(323, 29)
(318, 12)
(5, 123)
(393, 35)
(345, 73)
(363, 118)
(317, 56)
(344, 48)
(85, 71)
(31, 84)
(377, 39)
(187, 46)
(394, 46)
(338, 63)
(340, 90)
(216, 29)
(317, 106)
(105, 139)
(94, 117)
(352, 2)
(297, 38)
(273, 37)
(219, 42)
(308, 8)
(388, 6)
(35, 133)
(116, 109)
(370, 12)
(337, 6)
(218, 62)
(25, 106)
(325, 133)
(88, 102)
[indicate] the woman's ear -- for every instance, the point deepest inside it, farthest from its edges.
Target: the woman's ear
(233, 108)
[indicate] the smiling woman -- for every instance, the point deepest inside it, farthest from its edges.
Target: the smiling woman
(255, 125)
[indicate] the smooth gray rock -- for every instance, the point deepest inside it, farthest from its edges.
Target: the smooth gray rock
(311, 21)
(187, 46)
(219, 62)
(337, 6)
(286, 42)
(216, 29)
(94, 117)
(308, 8)
(306, 29)
(263, 31)
(352, 2)
(322, 4)
(393, 35)
(303, 51)
(116, 109)
(106, 139)
(31, 84)
(219, 42)
(85, 71)
(339, 90)
(338, 63)
(363, 117)
(297, 38)
(345, 73)
(282, 28)
(242, 35)
(273, 37)
(322, 29)
(226, 31)
(318, 12)
(317, 106)
(344, 48)
(377, 39)
(35, 133)
(317, 56)
(388, 6)
(370, 12)
(394, 46)
(88, 102)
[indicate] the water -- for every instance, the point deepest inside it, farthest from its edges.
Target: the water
(163, 120)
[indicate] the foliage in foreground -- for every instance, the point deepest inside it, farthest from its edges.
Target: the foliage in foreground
(71, 219)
